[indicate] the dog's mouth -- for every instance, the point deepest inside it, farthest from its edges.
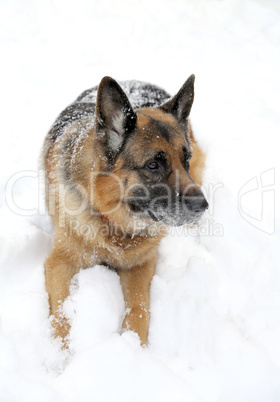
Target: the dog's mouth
(154, 218)
(175, 220)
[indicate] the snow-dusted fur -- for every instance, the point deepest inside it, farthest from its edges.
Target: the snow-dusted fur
(95, 196)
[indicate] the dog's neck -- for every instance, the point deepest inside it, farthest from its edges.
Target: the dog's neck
(148, 231)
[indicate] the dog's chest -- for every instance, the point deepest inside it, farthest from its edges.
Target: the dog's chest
(119, 253)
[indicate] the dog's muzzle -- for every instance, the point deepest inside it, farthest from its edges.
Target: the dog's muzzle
(180, 213)
(172, 209)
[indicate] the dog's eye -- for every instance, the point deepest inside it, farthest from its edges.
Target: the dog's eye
(153, 165)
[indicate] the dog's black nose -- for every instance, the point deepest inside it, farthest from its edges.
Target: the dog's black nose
(196, 204)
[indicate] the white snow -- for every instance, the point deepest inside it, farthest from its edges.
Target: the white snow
(215, 299)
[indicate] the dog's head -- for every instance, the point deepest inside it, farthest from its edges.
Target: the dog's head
(146, 158)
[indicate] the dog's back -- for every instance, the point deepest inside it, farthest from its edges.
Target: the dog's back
(139, 93)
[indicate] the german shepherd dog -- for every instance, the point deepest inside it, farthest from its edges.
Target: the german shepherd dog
(119, 172)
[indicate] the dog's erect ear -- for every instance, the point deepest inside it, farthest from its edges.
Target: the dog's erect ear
(114, 113)
(180, 105)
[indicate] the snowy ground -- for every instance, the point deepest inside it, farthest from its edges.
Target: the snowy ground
(215, 299)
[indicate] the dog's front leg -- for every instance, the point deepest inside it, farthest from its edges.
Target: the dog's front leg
(136, 289)
(59, 270)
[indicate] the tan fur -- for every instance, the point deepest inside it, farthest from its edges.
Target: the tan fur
(133, 255)
(198, 160)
